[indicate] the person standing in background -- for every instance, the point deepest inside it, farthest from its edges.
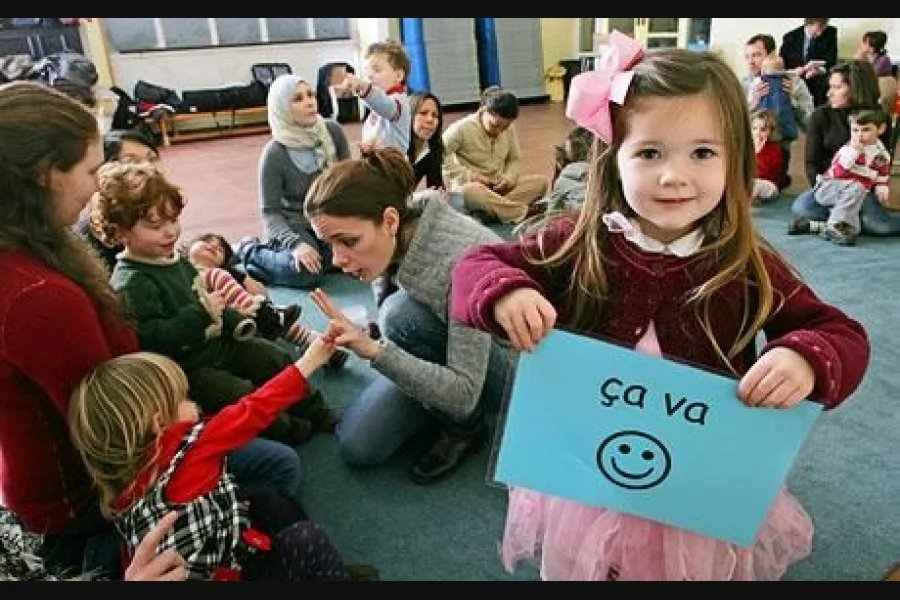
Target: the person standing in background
(802, 47)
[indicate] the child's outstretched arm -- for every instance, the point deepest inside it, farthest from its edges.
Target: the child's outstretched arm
(318, 353)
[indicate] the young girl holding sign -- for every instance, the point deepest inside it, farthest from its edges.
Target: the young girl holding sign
(663, 257)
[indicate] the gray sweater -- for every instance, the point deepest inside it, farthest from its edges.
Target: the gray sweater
(441, 237)
(282, 188)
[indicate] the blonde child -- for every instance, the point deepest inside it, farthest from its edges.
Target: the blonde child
(136, 205)
(149, 452)
(663, 257)
(211, 255)
(767, 149)
(384, 92)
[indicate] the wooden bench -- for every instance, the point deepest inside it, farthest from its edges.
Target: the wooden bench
(183, 127)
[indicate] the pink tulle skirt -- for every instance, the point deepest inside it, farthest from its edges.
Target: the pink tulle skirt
(575, 542)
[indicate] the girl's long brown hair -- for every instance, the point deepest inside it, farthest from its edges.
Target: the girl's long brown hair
(41, 128)
(731, 240)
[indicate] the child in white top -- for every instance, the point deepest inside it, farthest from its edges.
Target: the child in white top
(384, 92)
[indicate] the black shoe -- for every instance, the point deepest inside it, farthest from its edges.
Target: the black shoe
(337, 360)
(484, 217)
(362, 573)
(798, 226)
(315, 410)
(299, 432)
(453, 444)
(273, 322)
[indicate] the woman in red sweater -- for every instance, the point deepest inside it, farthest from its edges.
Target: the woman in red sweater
(58, 319)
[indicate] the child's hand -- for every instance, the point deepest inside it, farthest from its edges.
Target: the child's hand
(502, 185)
(216, 301)
(306, 257)
(526, 317)
(318, 353)
(350, 85)
(254, 287)
(780, 378)
(758, 90)
(883, 194)
(341, 330)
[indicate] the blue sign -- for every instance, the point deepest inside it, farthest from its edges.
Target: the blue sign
(608, 426)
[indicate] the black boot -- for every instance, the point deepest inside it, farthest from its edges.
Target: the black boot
(273, 322)
(452, 445)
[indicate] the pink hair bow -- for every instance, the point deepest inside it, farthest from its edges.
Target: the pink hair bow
(591, 92)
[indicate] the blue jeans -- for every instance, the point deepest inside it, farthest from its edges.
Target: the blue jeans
(267, 463)
(875, 218)
(273, 264)
(383, 417)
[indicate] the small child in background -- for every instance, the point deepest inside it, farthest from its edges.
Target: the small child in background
(212, 256)
(766, 144)
(149, 452)
(386, 68)
(570, 170)
(858, 167)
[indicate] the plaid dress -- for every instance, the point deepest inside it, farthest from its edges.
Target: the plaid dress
(208, 530)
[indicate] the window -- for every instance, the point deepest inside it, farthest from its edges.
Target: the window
(159, 33)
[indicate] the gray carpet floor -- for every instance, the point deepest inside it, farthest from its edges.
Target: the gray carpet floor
(846, 475)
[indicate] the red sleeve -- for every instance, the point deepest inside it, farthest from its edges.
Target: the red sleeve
(232, 427)
(54, 336)
(486, 273)
(835, 345)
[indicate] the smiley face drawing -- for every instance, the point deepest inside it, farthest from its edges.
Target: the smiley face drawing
(633, 460)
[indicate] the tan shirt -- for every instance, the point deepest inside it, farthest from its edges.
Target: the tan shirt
(468, 149)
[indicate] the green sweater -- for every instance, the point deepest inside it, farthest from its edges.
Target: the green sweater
(166, 298)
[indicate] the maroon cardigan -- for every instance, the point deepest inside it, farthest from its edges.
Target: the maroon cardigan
(50, 337)
(654, 286)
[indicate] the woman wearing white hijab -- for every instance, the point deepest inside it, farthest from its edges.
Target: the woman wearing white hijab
(302, 145)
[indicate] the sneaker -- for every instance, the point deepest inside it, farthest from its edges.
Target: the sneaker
(840, 233)
(453, 444)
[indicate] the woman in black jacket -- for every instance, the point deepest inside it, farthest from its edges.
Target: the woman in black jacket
(426, 148)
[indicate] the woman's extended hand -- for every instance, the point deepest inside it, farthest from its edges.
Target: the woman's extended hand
(344, 332)
(147, 565)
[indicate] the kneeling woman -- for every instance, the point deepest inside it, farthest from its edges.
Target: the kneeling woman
(431, 372)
